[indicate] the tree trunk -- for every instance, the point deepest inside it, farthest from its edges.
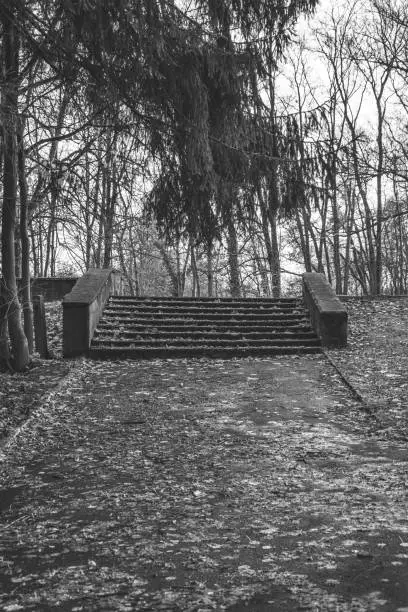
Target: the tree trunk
(87, 212)
(102, 213)
(336, 233)
(34, 250)
(25, 245)
(18, 340)
(350, 200)
(196, 280)
(274, 198)
(40, 248)
(275, 267)
(5, 356)
(304, 239)
(17, 249)
(232, 245)
(270, 235)
(210, 272)
(110, 210)
(125, 265)
(134, 264)
(111, 196)
(378, 246)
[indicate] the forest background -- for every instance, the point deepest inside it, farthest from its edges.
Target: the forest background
(202, 148)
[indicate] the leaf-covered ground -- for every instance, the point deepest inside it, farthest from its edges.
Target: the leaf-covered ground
(21, 395)
(253, 484)
(376, 359)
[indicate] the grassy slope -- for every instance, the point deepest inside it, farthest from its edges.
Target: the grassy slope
(376, 359)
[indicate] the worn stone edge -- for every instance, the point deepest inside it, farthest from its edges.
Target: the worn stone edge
(87, 288)
(356, 394)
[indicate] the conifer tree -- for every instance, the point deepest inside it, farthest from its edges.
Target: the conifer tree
(185, 77)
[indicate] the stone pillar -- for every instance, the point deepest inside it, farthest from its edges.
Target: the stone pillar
(82, 309)
(328, 316)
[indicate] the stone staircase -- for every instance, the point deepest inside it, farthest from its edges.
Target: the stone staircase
(150, 327)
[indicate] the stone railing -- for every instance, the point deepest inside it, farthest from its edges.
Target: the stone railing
(328, 316)
(83, 306)
(52, 288)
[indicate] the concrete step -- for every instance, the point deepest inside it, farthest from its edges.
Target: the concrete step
(186, 327)
(113, 310)
(133, 315)
(129, 334)
(216, 342)
(184, 306)
(203, 301)
(187, 351)
(140, 328)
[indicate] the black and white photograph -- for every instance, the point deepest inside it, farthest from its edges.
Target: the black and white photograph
(204, 306)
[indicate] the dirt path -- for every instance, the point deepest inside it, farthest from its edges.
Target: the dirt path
(254, 484)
